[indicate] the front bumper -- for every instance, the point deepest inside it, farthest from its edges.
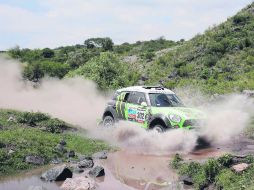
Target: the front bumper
(193, 124)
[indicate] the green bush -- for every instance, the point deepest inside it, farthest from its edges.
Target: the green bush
(107, 71)
(225, 160)
(240, 18)
(176, 161)
(211, 169)
(54, 125)
(31, 118)
(37, 70)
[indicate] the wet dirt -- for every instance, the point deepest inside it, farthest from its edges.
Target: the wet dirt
(125, 170)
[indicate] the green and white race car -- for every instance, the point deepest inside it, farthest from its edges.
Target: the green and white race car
(151, 107)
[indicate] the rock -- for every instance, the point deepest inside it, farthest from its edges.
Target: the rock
(60, 148)
(43, 128)
(62, 142)
(11, 118)
(72, 161)
(130, 59)
(187, 180)
(10, 152)
(36, 188)
(56, 161)
(249, 93)
(100, 155)
(78, 170)
(71, 154)
(144, 78)
(238, 159)
(87, 163)
(173, 75)
(84, 157)
(161, 82)
(34, 159)
(78, 183)
(238, 168)
(59, 173)
(98, 171)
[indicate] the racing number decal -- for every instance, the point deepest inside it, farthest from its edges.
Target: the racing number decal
(140, 116)
(137, 115)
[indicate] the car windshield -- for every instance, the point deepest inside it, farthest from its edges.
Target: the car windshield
(165, 100)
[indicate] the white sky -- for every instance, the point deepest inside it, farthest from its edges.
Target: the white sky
(52, 23)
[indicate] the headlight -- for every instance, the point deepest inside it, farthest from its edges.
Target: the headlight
(175, 118)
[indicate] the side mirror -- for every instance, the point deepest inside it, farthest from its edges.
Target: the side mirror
(144, 104)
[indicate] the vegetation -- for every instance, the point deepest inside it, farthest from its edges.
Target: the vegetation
(107, 71)
(25, 133)
(98, 59)
(216, 172)
(219, 61)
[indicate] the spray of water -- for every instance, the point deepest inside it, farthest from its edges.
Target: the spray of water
(79, 102)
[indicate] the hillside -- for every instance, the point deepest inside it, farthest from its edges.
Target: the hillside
(219, 61)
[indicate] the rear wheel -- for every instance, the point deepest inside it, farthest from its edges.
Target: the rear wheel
(108, 121)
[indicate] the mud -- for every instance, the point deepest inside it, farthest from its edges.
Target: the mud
(125, 170)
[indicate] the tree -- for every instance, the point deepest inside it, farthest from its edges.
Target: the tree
(37, 70)
(15, 52)
(107, 71)
(33, 72)
(48, 53)
(105, 43)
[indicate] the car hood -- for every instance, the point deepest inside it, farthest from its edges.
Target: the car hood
(183, 112)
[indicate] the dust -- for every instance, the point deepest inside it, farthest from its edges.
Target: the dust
(79, 102)
(74, 100)
(227, 118)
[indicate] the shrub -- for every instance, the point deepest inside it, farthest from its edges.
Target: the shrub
(225, 160)
(48, 53)
(211, 169)
(31, 118)
(149, 56)
(240, 18)
(36, 71)
(54, 125)
(107, 71)
(176, 161)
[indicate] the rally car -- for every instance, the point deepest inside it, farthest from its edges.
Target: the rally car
(151, 107)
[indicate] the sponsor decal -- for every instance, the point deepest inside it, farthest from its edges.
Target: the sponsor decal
(132, 114)
(137, 115)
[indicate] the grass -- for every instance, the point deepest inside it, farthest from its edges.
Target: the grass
(217, 172)
(25, 140)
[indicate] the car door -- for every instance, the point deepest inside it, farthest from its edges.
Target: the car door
(121, 104)
(134, 111)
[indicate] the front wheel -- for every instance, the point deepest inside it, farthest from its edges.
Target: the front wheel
(159, 128)
(108, 121)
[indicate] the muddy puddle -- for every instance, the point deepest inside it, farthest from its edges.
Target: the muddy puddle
(124, 170)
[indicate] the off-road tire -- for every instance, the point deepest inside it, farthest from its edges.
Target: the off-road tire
(108, 121)
(159, 128)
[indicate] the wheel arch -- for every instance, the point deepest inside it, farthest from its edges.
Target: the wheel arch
(107, 113)
(159, 119)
